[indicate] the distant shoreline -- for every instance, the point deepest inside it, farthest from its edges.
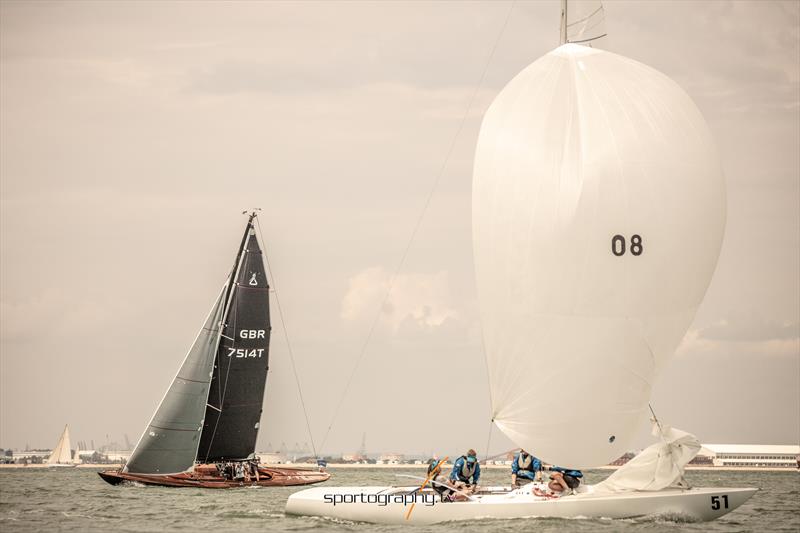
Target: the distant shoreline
(410, 466)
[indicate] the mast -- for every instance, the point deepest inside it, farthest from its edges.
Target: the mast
(235, 269)
(236, 393)
(563, 36)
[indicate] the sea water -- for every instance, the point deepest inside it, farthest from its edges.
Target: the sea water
(76, 499)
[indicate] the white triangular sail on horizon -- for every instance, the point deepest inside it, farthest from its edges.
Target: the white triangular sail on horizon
(61, 454)
(598, 216)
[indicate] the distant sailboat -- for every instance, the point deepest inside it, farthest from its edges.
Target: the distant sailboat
(61, 454)
(598, 209)
(203, 433)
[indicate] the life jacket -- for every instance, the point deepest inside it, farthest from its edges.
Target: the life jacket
(525, 464)
(466, 472)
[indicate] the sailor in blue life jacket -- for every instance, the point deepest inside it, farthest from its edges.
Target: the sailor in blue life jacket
(466, 469)
(525, 466)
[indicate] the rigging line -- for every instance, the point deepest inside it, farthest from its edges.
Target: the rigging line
(664, 442)
(587, 17)
(488, 378)
(589, 40)
(288, 343)
(593, 25)
(418, 224)
(503, 454)
(488, 441)
(655, 418)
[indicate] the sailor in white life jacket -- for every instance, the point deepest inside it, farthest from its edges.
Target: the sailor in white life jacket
(525, 467)
(466, 469)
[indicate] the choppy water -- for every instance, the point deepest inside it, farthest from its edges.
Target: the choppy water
(78, 500)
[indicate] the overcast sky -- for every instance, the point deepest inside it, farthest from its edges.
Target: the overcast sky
(132, 135)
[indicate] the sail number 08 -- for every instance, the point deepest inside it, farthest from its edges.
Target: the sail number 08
(618, 245)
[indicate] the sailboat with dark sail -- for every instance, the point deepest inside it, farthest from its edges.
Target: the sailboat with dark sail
(203, 433)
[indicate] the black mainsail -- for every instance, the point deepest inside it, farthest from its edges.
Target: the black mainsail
(237, 388)
(212, 409)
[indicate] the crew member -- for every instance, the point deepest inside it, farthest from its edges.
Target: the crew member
(525, 466)
(564, 480)
(439, 483)
(467, 470)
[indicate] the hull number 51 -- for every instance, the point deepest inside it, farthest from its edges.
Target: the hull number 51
(715, 502)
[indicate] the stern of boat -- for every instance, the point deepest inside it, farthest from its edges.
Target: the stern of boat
(293, 476)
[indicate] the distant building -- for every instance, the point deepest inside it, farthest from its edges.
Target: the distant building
(752, 455)
(357, 457)
(622, 459)
(391, 458)
(702, 460)
(273, 458)
(31, 455)
(116, 456)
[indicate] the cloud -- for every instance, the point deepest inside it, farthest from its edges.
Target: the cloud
(423, 299)
(696, 345)
(750, 327)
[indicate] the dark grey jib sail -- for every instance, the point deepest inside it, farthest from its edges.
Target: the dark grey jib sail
(213, 406)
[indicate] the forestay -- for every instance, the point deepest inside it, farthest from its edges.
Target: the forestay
(598, 216)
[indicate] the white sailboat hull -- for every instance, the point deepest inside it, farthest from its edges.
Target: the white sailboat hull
(696, 504)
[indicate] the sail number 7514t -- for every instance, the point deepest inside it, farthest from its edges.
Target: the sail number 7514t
(248, 352)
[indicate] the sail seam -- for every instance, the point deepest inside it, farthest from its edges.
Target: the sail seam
(170, 429)
(192, 380)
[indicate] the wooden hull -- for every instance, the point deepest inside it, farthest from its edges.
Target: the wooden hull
(207, 478)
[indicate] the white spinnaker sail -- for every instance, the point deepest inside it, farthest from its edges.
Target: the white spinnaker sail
(598, 216)
(61, 454)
